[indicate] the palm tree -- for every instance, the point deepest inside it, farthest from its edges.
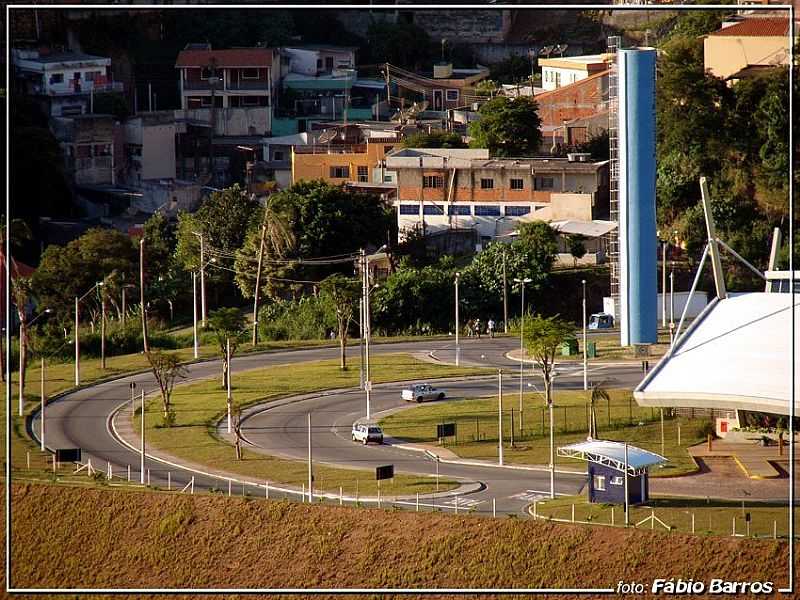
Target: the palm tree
(597, 393)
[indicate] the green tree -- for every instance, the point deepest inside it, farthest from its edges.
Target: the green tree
(596, 394)
(577, 247)
(166, 368)
(223, 220)
(435, 139)
(507, 127)
(66, 272)
(543, 337)
(596, 145)
(228, 327)
(343, 294)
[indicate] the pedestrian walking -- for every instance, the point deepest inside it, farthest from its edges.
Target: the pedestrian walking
(490, 327)
(470, 328)
(478, 328)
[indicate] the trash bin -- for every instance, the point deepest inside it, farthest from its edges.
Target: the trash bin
(569, 347)
(591, 349)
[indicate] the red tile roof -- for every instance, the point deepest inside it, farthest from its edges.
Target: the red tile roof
(234, 57)
(756, 27)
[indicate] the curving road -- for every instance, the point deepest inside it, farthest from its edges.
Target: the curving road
(82, 419)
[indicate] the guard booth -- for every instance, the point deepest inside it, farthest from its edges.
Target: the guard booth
(608, 462)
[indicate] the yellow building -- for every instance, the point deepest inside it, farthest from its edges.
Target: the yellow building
(755, 41)
(342, 163)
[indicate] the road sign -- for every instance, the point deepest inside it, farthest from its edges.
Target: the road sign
(66, 455)
(385, 472)
(445, 430)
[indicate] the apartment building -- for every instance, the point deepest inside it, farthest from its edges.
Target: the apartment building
(88, 143)
(558, 72)
(237, 83)
(63, 81)
(444, 88)
(441, 189)
(344, 163)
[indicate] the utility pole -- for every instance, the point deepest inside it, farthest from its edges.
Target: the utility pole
(505, 295)
(310, 463)
(521, 283)
(194, 312)
(141, 465)
(102, 328)
(141, 295)
(361, 342)
(41, 411)
(458, 347)
(202, 278)
(500, 417)
(77, 345)
(228, 378)
(258, 279)
(585, 364)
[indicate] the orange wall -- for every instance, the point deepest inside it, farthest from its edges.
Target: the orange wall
(318, 166)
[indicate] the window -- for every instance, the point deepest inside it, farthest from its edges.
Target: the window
(91, 75)
(432, 181)
(617, 480)
(517, 211)
(319, 64)
(543, 183)
(459, 210)
(452, 95)
(484, 210)
(432, 209)
(205, 73)
(340, 172)
(250, 100)
(487, 184)
(363, 174)
(250, 73)
(57, 78)
(600, 483)
(517, 184)
(205, 100)
(102, 150)
(277, 155)
(409, 209)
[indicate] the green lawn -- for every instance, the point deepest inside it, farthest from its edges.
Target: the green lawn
(713, 517)
(199, 407)
(477, 419)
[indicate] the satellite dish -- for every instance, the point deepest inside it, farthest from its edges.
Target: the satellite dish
(546, 51)
(328, 135)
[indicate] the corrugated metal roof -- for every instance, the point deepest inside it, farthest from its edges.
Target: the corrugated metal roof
(612, 454)
(756, 27)
(232, 57)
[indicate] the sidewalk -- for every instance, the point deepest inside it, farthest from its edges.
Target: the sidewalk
(753, 459)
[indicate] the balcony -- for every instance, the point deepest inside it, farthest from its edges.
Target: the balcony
(73, 88)
(236, 86)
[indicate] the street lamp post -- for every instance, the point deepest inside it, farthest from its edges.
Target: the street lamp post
(141, 465)
(585, 364)
(194, 313)
(458, 347)
(202, 278)
(102, 328)
(671, 304)
(367, 326)
(505, 294)
(552, 441)
(41, 410)
(521, 283)
(500, 417)
(23, 327)
(77, 336)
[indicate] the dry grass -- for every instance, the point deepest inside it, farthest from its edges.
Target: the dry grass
(99, 538)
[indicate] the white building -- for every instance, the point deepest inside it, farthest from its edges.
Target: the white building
(67, 80)
(558, 72)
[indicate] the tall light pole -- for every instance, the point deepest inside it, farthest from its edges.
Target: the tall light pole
(521, 283)
(671, 304)
(585, 364)
(505, 294)
(367, 326)
(228, 379)
(310, 465)
(146, 346)
(552, 443)
(102, 328)
(194, 313)
(458, 347)
(41, 410)
(141, 464)
(202, 277)
(77, 336)
(500, 417)
(22, 350)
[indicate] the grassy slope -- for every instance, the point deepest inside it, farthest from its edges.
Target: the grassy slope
(476, 422)
(155, 540)
(199, 406)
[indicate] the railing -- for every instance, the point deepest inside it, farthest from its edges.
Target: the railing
(96, 162)
(332, 149)
(230, 86)
(84, 87)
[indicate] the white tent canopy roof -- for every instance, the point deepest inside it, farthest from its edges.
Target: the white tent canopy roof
(612, 454)
(736, 355)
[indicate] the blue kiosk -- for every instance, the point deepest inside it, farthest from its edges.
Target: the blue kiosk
(608, 462)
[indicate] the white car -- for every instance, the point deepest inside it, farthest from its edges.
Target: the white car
(367, 432)
(422, 391)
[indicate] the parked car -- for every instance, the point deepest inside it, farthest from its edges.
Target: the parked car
(601, 321)
(367, 432)
(422, 391)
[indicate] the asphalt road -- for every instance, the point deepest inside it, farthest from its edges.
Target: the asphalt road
(81, 419)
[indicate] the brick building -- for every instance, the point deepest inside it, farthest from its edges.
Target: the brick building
(441, 189)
